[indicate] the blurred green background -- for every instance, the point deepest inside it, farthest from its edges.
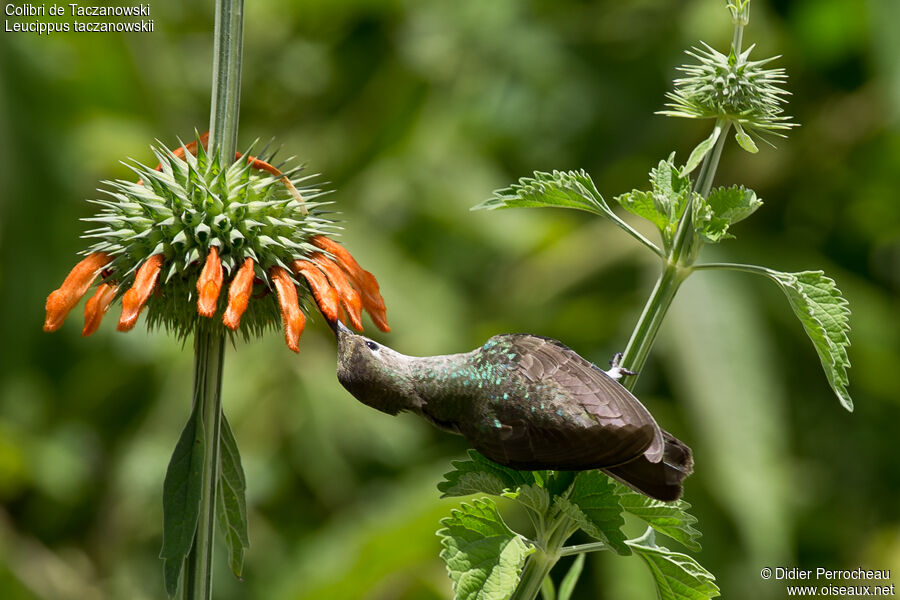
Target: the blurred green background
(415, 110)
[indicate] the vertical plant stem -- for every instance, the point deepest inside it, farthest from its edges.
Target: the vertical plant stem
(536, 570)
(638, 348)
(539, 564)
(209, 346)
(209, 358)
(226, 80)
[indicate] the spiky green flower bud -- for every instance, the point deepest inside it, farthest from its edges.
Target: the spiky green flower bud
(732, 88)
(169, 240)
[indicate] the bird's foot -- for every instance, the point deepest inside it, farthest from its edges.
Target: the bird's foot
(615, 371)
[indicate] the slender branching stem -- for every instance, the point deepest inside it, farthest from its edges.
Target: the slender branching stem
(582, 548)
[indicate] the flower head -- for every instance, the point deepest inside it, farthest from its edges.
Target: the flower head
(172, 241)
(733, 88)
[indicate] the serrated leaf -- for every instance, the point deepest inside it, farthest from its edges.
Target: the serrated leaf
(560, 189)
(232, 503)
(668, 518)
(567, 586)
(677, 576)
(825, 316)
(644, 205)
(700, 152)
(181, 500)
(532, 497)
(481, 475)
(484, 557)
(721, 209)
(664, 204)
(594, 505)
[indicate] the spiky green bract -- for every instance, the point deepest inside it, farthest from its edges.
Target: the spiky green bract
(191, 204)
(733, 88)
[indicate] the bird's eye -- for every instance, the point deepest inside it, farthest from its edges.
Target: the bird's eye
(372, 345)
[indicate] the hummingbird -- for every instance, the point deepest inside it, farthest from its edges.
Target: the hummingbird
(526, 402)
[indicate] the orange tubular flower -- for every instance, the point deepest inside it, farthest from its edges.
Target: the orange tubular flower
(239, 295)
(97, 306)
(364, 281)
(134, 299)
(209, 284)
(76, 285)
(349, 297)
(291, 316)
(326, 296)
(175, 234)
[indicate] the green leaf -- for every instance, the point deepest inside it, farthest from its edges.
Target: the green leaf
(645, 205)
(678, 576)
(745, 141)
(700, 152)
(232, 503)
(548, 592)
(484, 557)
(559, 189)
(722, 208)
(181, 500)
(664, 204)
(825, 315)
(568, 583)
(594, 505)
(668, 518)
(480, 475)
(532, 497)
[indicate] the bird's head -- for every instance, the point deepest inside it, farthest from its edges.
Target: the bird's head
(374, 374)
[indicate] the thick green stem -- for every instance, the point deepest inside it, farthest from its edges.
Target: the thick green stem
(209, 357)
(536, 570)
(209, 346)
(648, 324)
(541, 562)
(226, 82)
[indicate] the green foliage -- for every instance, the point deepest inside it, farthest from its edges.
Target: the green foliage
(818, 303)
(721, 209)
(560, 189)
(668, 518)
(181, 500)
(232, 503)
(677, 576)
(478, 474)
(700, 152)
(597, 509)
(567, 585)
(483, 556)
(559, 503)
(570, 189)
(663, 205)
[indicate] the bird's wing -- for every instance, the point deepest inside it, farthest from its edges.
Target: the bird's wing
(620, 430)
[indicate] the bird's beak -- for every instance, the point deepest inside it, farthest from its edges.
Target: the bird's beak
(338, 328)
